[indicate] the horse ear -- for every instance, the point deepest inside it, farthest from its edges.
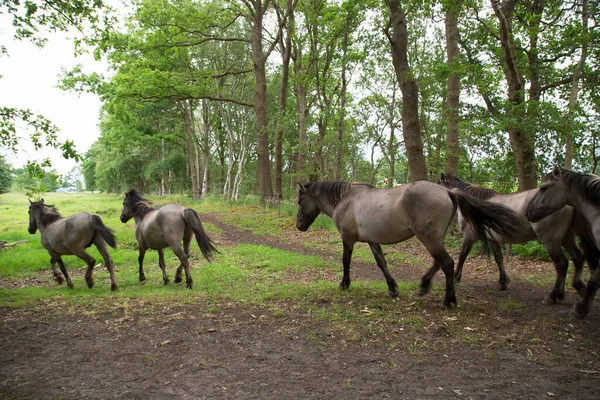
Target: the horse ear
(301, 187)
(556, 172)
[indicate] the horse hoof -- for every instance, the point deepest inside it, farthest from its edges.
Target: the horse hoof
(579, 310)
(114, 288)
(71, 286)
(90, 285)
(393, 294)
(580, 287)
(178, 279)
(142, 278)
(189, 286)
(502, 285)
(344, 286)
(551, 300)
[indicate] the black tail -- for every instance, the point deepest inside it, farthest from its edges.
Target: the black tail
(583, 229)
(104, 231)
(206, 245)
(485, 216)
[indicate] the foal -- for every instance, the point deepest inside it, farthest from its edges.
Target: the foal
(71, 236)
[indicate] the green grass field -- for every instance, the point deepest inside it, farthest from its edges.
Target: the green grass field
(242, 273)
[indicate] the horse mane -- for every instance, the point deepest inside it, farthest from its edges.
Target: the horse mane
(479, 192)
(587, 184)
(139, 205)
(48, 213)
(333, 192)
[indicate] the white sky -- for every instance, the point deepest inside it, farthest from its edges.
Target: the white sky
(29, 80)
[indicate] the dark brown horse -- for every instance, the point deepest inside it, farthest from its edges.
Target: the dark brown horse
(555, 231)
(71, 236)
(423, 209)
(164, 227)
(581, 191)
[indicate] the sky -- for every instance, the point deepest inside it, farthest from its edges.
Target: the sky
(29, 80)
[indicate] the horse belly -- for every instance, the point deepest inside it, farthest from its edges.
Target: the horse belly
(383, 229)
(154, 240)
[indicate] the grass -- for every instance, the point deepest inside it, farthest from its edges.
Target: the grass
(245, 275)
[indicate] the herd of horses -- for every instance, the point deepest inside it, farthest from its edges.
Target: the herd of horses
(564, 208)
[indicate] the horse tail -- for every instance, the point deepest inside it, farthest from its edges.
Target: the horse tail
(583, 229)
(485, 216)
(206, 245)
(104, 231)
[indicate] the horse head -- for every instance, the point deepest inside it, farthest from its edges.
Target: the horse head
(449, 180)
(127, 212)
(35, 209)
(308, 210)
(551, 196)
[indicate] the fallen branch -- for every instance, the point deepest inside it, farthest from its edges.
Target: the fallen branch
(4, 244)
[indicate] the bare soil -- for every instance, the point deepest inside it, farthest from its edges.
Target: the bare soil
(497, 345)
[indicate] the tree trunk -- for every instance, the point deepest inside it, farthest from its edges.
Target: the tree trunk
(190, 147)
(301, 93)
(522, 141)
(453, 100)
(286, 48)
(575, 87)
(205, 148)
(391, 144)
(342, 114)
(411, 128)
(262, 121)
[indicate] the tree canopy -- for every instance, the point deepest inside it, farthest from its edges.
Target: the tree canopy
(250, 96)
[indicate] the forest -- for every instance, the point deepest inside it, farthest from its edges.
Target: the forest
(248, 97)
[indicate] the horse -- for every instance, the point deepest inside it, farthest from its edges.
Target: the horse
(363, 213)
(562, 187)
(166, 227)
(71, 236)
(555, 232)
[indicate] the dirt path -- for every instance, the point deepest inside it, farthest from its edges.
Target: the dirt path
(250, 353)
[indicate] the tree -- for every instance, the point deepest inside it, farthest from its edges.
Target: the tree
(29, 20)
(411, 127)
(5, 176)
(453, 95)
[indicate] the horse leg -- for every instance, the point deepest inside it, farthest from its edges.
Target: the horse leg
(441, 260)
(187, 240)
(183, 258)
(90, 261)
(499, 258)
(382, 264)
(108, 262)
(163, 265)
(462, 257)
(570, 245)
(56, 272)
(346, 258)
(583, 307)
(142, 253)
(561, 264)
(57, 259)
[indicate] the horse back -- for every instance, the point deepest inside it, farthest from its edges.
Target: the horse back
(393, 214)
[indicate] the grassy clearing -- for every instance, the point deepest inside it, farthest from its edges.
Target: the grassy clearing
(278, 281)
